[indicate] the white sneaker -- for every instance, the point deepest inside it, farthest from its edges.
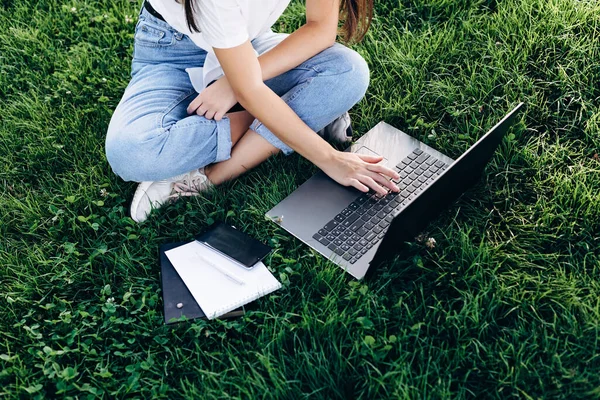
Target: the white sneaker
(340, 130)
(150, 195)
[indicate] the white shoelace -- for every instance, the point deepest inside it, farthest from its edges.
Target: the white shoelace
(189, 186)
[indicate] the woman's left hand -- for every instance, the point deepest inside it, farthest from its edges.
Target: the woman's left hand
(214, 101)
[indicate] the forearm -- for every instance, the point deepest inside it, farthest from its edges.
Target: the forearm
(276, 115)
(304, 43)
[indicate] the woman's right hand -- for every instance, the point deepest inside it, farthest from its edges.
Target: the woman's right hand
(360, 171)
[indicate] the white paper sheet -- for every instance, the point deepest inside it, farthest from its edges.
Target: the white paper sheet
(217, 287)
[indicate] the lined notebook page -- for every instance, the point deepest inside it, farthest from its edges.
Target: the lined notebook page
(214, 280)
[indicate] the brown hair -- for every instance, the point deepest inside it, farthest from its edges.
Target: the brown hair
(357, 16)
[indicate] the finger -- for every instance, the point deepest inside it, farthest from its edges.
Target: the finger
(368, 181)
(210, 114)
(194, 105)
(370, 159)
(380, 169)
(356, 183)
(201, 110)
(384, 182)
(219, 115)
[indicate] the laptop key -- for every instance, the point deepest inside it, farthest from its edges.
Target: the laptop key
(355, 237)
(370, 236)
(412, 156)
(350, 220)
(354, 206)
(362, 231)
(351, 242)
(369, 225)
(365, 217)
(382, 214)
(352, 252)
(337, 231)
(389, 219)
(323, 232)
(377, 229)
(363, 242)
(428, 174)
(330, 225)
(332, 247)
(344, 237)
(364, 250)
(339, 251)
(353, 260)
(356, 226)
(347, 256)
(430, 160)
(323, 241)
(346, 212)
(362, 199)
(372, 212)
(331, 237)
(418, 151)
(345, 247)
(439, 164)
(422, 158)
(339, 218)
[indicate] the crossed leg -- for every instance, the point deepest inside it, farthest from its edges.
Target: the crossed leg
(248, 151)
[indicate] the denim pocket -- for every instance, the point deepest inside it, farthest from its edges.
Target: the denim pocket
(151, 35)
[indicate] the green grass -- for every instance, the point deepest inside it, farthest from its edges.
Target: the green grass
(506, 304)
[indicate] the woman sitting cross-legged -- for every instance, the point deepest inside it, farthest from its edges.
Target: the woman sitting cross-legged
(260, 93)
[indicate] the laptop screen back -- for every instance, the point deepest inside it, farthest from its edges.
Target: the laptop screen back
(453, 182)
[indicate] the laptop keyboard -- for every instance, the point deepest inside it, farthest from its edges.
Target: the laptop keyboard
(364, 222)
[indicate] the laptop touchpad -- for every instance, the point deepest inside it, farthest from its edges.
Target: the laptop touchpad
(368, 152)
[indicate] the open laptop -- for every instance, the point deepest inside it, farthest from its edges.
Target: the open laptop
(354, 229)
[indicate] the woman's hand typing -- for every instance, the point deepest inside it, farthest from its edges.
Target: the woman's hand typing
(360, 171)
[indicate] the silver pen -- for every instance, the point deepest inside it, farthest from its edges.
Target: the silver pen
(228, 274)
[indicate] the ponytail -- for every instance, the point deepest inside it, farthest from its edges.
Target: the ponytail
(357, 16)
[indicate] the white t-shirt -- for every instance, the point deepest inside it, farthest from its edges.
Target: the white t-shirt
(223, 23)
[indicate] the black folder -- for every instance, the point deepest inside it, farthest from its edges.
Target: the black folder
(176, 293)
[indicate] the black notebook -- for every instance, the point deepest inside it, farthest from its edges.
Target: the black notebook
(176, 293)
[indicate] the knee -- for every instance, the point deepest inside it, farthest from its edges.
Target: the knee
(126, 156)
(351, 72)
